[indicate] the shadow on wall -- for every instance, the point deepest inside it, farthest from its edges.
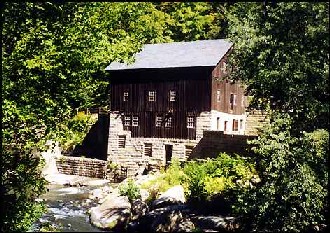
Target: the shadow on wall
(215, 142)
(95, 143)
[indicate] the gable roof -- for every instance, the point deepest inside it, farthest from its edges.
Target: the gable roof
(177, 54)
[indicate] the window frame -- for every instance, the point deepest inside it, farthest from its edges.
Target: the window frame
(190, 122)
(169, 122)
(125, 96)
(172, 95)
(152, 96)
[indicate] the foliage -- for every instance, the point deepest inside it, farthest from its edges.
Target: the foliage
(172, 176)
(129, 189)
(74, 131)
(211, 177)
(292, 194)
(281, 51)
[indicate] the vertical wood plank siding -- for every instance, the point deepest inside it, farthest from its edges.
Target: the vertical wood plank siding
(195, 89)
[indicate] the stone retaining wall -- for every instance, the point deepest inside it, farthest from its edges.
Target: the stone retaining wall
(82, 166)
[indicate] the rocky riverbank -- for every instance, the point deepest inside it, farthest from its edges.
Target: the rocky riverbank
(170, 212)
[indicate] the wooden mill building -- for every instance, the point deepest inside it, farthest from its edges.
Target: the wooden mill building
(161, 105)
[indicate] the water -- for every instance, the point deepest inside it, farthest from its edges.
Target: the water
(67, 209)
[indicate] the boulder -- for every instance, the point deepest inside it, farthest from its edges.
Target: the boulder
(172, 196)
(113, 214)
(215, 223)
(139, 208)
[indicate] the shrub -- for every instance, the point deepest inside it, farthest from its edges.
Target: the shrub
(130, 189)
(216, 176)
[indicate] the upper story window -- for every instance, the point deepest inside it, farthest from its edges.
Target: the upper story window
(190, 122)
(151, 96)
(224, 67)
(159, 120)
(218, 95)
(172, 96)
(169, 122)
(127, 121)
(125, 96)
(232, 101)
(135, 121)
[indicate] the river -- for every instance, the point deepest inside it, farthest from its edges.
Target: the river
(67, 209)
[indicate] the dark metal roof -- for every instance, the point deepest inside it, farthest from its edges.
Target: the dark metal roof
(177, 54)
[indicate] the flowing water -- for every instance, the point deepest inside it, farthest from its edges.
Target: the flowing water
(67, 209)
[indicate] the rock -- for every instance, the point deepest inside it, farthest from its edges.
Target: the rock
(112, 214)
(172, 196)
(172, 221)
(139, 208)
(215, 223)
(96, 194)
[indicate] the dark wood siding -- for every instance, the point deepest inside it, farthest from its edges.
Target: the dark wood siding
(193, 95)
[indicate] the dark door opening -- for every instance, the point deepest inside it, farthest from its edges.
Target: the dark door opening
(168, 153)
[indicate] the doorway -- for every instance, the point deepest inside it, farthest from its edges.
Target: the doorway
(168, 153)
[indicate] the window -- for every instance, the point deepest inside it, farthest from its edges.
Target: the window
(243, 101)
(121, 141)
(224, 68)
(225, 126)
(232, 101)
(148, 149)
(188, 150)
(127, 121)
(168, 123)
(159, 120)
(218, 95)
(190, 122)
(218, 123)
(172, 96)
(235, 125)
(135, 121)
(241, 124)
(125, 96)
(152, 96)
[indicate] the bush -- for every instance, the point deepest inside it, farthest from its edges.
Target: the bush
(211, 177)
(171, 177)
(130, 189)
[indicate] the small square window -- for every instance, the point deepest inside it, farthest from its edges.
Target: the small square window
(190, 122)
(127, 121)
(172, 96)
(125, 96)
(135, 121)
(168, 123)
(152, 96)
(159, 120)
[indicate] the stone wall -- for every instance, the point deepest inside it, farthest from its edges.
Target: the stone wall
(255, 120)
(81, 166)
(132, 153)
(215, 142)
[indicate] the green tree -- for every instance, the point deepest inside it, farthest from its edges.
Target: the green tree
(53, 57)
(292, 194)
(281, 52)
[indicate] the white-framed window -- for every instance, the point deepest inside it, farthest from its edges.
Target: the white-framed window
(169, 122)
(159, 120)
(127, 121)
(172, 95)
(121, 141)
(241, 126)
(135, 121)
(125, 96)
(218, 95)
(190, 122)
(152, 96)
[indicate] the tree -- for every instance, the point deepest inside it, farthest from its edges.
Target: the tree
(292, 194)
(281, 52)
(51, 56)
